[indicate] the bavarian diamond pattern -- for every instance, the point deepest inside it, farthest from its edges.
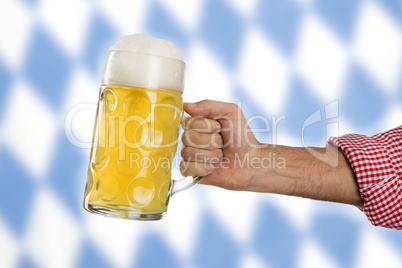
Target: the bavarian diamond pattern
(283, 59)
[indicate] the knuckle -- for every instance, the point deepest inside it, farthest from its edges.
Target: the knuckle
(205, 101)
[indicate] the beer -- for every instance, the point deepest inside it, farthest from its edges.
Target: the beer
(136, 130)
(130, 166)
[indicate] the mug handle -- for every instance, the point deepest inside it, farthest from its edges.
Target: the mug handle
(183, 184)
(186, 182)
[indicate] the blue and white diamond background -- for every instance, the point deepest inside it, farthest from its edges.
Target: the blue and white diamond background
(278, 57)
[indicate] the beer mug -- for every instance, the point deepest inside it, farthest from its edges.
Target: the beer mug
(136, 131)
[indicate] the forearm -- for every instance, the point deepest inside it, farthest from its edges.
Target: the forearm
(303, 174)
(371, 169)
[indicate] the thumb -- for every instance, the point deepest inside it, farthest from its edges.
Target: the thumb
(210, 109)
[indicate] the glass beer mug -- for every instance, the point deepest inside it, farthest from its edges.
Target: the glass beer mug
(136, 131)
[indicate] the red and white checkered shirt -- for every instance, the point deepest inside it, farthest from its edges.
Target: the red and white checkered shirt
(377, 164)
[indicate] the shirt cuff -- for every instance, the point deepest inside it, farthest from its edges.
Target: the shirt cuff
(377, 173)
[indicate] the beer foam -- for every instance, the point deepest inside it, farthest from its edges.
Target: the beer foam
(147, 44)
(143, 61)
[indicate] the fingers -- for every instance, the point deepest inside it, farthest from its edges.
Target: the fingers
(192, 154)
(195, 168)
(202, 133)
(205, 141)
(201, 124)
(202, 139)
(210, 109)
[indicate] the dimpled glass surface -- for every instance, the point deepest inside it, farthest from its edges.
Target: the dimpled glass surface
(135, 139)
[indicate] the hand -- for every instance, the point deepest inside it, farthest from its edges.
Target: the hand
(218, 144)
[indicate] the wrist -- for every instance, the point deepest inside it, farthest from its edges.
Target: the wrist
(267, 176)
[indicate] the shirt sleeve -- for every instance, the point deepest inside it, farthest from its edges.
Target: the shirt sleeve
(377, 164)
